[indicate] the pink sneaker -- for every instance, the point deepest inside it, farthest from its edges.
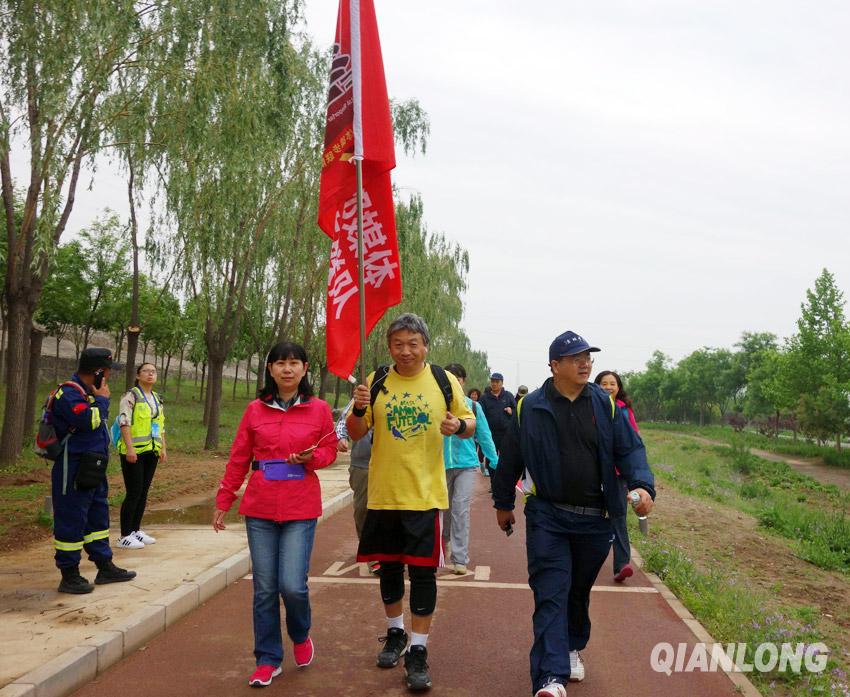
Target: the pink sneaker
(263, 676)
(303, 653)
(625, 572)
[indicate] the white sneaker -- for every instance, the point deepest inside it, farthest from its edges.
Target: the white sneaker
(576, 667)
(552, 689)
(130, 542)
(143, 537)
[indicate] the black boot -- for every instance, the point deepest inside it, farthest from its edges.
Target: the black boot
(109, 573)
(72, 582)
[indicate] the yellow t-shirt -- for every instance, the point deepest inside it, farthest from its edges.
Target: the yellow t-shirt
(406, 470)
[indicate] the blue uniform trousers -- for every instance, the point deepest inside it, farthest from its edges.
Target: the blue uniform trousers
(80, 518)
(565, 553)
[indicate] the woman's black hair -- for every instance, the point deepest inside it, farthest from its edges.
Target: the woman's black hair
(139, 370)
(282, 351)
(456, 369)
(622, 395)
(476, 390)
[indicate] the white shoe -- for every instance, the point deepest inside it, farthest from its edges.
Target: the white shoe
(576, 667)
(130, 542)
(552, 689)
(143, 537)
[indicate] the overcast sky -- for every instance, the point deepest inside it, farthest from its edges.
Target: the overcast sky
(651, 174)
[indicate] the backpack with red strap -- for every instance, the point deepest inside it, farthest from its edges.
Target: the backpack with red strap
(47, 443)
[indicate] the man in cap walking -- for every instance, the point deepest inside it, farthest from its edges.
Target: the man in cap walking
(79, 414)
(571, 445)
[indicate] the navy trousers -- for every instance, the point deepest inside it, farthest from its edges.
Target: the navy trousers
(80, 518)
(565, 553)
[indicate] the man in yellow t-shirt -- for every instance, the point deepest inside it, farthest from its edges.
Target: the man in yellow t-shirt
(407, 487)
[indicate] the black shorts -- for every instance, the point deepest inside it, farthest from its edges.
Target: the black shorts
(410, 537)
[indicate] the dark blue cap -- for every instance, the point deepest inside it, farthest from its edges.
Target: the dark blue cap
(497, 376)
(568, 344)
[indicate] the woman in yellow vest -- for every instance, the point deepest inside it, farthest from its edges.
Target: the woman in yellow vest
(141, 447)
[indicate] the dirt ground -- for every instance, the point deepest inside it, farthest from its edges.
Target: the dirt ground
(182, 478)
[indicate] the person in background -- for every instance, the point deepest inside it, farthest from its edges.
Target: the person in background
(521, 391)
(358, 474)
(571, 446)
(461, 461)
(499, 406)
(79, 488)
(141, 447)
(474, 394)
(610, 381)
(285, 435)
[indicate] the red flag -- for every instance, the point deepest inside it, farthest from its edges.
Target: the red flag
(358, 125)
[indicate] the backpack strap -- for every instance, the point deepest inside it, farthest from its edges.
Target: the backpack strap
(442, 379)
(378, 381)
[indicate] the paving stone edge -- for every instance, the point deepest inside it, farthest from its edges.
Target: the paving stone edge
(77, 666)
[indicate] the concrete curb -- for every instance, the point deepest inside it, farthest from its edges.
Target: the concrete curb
(741, 682)
(80, 665)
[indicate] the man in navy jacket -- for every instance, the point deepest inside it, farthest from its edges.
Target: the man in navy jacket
(568, 442)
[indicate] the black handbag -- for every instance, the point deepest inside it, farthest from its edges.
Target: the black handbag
(91, 470)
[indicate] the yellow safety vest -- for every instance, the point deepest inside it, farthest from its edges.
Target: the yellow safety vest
(145, 429)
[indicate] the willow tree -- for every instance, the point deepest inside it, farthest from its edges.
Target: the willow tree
(237, 127)
(59, 62)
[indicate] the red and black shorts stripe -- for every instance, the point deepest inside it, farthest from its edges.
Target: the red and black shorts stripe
(410, 537)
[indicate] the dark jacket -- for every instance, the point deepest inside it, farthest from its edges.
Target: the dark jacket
(86, 416)
(494, 410)
(531, 445)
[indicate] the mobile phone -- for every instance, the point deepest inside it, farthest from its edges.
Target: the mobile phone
(509, 530)
(98, 379)
(307, 451)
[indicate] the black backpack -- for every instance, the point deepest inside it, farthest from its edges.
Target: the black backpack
(437, 371)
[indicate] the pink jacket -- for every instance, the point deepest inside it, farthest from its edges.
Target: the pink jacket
(632, 421)
(269, 433)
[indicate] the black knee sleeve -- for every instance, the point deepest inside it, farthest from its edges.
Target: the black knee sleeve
(391, 575)
(423, 589)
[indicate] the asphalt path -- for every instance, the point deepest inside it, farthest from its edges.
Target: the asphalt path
(479, 640)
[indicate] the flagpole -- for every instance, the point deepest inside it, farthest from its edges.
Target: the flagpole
(358, 163)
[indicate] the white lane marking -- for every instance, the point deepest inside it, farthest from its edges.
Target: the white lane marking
(482, 573)
(337, 568)
(475, 584)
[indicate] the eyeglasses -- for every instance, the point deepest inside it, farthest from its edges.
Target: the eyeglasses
(585, 359)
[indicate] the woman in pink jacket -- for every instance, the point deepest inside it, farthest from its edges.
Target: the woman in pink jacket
(610, 381)
(285, 435)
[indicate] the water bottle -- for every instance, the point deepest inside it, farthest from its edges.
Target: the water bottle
(643, 523)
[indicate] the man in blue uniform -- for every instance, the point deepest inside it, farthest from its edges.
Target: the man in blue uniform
(80, 413)
(572, 448)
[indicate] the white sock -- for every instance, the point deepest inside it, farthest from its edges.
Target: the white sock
(418, 639)
(395, 622)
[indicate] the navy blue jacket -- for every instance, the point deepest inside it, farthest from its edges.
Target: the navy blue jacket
(531, 445)
(88, 416)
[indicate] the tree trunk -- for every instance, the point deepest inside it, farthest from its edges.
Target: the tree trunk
(36, 340)
(132, 349)
(17, 368)
(180, 371)
(261, 372)
(214, 391)
(165, 372)
(56, 364)
(3, 350)
(203, 380)
(235, 382)
(248, 376)
(337, 391)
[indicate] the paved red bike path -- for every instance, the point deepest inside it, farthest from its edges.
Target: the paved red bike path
(479, 641)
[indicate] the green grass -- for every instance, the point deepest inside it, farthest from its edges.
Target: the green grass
(732, 611)
(811, 515)
(781, 445)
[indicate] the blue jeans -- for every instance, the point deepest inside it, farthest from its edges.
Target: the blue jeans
(280, 556)
(565, 552)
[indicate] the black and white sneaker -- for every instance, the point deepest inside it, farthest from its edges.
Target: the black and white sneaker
(130, 542)
(395, 642)
(416, 674)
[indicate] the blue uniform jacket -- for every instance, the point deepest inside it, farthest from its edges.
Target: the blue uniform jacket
(87, 416)
(531, 446)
